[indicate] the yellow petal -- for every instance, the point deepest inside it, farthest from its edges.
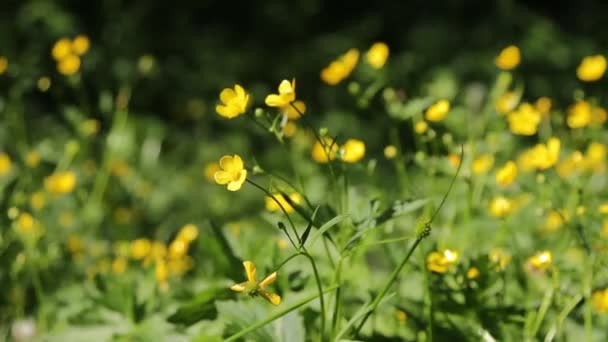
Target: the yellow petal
(236, 184)
(239, 287)
(222, 177)
(237, 163)
(226, 111)
(249, 270)
(274, 298)
(268, 280)
(274, 100)
(226, 95)
(227, 163)
(285, 87)
(240, 92)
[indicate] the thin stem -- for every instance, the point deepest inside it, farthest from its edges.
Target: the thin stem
(320, 288)
(338, 302)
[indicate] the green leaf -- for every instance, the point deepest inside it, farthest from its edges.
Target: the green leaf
(324, 228)
(201, 307)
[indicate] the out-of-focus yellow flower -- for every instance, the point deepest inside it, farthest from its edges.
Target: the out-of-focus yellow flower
(210, 169)
(32, 159)
(390, 152)
(377, 55)
(232, 172)
(286, 95)
(543, 105)
(508, 58)
(506, 174)
(482, 164)
(420, 127)
(271, 205)
(178, 249)
(61, 182)
(603, 208)
(69, 65)
(119, 265)
(401, 316)
(592, 68)
(353, 150)
(25, 223)
(37, 200)
(579, 114)
(499, 257)
(524, 120)
(437, 111)
(75, 245)
(540, 261)
(292, 113)
(599, 116)
(326, 152)
(473, 273)
(574, 164)
(282, 243)
(553, 221)
(253, 288)
(600, 300)
(89, 127)
(290, 129)
(188, 233)
(3, 64)
(43, 83)
(341, 68)
(140, 248)
(61, 49)
(5, 164)
(441, 261)
(179, 266)
(595, 157)
(454, 159)
(500, 206)
(161, 273)
(80, 44)
(234, 102)
(580, 210)
(541, 156)
(507, 102)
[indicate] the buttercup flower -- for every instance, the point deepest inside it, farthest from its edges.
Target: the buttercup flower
(5, 163)
(472, 273)
(232, 172)
(579, 114)
(271, 205)
(292, 113)
(324, 153)
(500, 206)
(61, 182)
(69, 65)
(506, 174)
(540, 261)
(61, 49)
(482, 164)
(507, 102)
(599, 116)
(600, 300)
(499, 257)
(421, 127)
(353, 150)
(573, 164)
(234, 102)
(595, 157)
(441, 261)
(508, 58)
(339, 69)
(286, 95)
(390, 152)
(377, 55)
(553, 221)
(437, 111)
(80, 44)
(253, 288)
(543, 105)
(592, 68)
(525, 120)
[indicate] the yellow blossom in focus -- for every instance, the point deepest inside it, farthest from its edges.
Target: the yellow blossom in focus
(473, 273)
(119, 265)
(234, 102)
(232, 172)
(437, 111)
(286, 95)
(420, 127)
(441, 261)
(540, 261)
(5, 163)
(482, 164)
(524, 120)
(61, 182)
(3, 64)
(599, 300)
(377, 55)
(80, 44)
(32, 159)
(543, 105)
(592, 68)
(69, 65)
(188, 233)
(499, 257)
(210, 169)
(341, 68)
(508, 58)
(253, 288)
(579, 114)
(506, 175)
(390, 152)
(140, 248)
(294, 113)
(61, 49)
(37, 200)
(324, 153)
(272, 205)
(507, 102)
(500, 206)
(353, 150)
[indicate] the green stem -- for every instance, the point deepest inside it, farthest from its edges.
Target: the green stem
(277, 315)
(337, 306)
(320, 288)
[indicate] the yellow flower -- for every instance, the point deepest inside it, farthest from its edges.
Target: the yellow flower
(44, 83)
(579, 114)
(500, 206)
(524, 120)
(290, 129)
(286, 95)
(3, 64)
(575, 163)
(499, 257)
(401, 316)
(188, 233)
(32, 159)
(61, 49)
(353, 150)
(508, 58)
(69, 65)
(140, 248)
(547, 155)
(482, 164)
(507, 102)
(339, 69)
(420, 127)
(543, 105)
(25, 223)
(454, 160)
(38, 201)
(599, 116)
(437, 111)
(234, 102)
(161, 273)
(441, 261)
(592, 68)
(506, 174)
(80, 44)
(210, 169)
(271, 205)
(390, 152)
(75, 245)
(377, 55)
(89, 127)
(540, 261)
(253, 288)
(324, 153)
(600, 300)
(292, 113)
(60, 182)
(473, 273)
(595, 157)
(178, 249)
(603, 208)
(553, 221)
(5, 164)
(232, 172)
(119, 265)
